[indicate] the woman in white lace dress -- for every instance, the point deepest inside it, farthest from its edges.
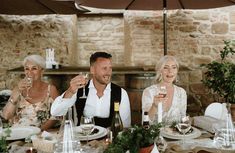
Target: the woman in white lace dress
(175, 101)
(29, 105)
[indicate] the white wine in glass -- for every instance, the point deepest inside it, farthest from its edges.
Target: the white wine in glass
(163, 91)
(29, 82)
(85, 75)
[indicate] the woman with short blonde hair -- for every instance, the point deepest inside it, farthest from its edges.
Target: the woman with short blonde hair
(31, 99)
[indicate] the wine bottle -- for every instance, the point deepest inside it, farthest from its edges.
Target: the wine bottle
(116, 125)
(146, 120)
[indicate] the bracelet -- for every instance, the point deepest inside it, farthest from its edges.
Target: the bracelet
(11, 101)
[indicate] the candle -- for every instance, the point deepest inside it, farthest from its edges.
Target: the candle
(159, 111)
(31, 150)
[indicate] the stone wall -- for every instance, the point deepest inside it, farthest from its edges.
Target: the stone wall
(134, 38)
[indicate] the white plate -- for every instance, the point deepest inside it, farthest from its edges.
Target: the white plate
(101, 133)
(169, 133)
(23, 132)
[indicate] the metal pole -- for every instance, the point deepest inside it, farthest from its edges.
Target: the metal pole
(165, 26)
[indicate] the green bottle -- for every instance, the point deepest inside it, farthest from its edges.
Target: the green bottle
(116, 125)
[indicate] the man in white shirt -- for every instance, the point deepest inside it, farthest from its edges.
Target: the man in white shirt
(101, 94)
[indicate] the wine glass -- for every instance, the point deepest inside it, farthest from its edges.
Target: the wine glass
(29, 82)
(184, 126)
(87, 125)
(161, 144)
(85, 75)
(163, 91)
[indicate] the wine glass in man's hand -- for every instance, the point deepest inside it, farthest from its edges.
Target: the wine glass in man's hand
(85, 75)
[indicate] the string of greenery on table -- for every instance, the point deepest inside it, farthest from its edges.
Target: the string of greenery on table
(3, 140)
(134, 138)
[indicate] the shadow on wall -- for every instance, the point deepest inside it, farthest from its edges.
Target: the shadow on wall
(194, 105)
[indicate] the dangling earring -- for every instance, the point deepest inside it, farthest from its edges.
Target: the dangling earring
(177, 79)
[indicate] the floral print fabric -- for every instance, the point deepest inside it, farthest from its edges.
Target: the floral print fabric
(28, 114)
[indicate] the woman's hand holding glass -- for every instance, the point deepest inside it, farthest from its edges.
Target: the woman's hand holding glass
(25, 85)
(161, 96)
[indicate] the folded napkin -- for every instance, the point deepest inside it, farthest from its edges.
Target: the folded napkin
(175, 148)
(207, 123)
(45, 142)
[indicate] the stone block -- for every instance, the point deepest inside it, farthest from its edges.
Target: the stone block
(198, 88)
(195, 76)
(219, 28)
(201, 15)
(188, 28)
(232, 17)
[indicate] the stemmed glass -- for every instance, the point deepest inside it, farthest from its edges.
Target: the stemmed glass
(85, 75)
(29, 82)
(162, 92)
(87, 125)
(184, 126)
(161, 144)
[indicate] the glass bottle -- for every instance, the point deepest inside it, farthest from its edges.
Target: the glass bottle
(146, 120)
(228, 132)
(116, 125)
(1, 126)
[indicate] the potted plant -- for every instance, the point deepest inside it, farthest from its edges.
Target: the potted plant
(220, 75)
(133, 139)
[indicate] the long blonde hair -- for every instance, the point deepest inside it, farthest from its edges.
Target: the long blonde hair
(159, 66)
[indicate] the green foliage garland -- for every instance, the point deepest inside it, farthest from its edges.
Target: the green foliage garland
(133, 139)
(3, 141)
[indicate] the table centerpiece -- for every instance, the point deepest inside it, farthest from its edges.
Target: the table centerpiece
(134, 138)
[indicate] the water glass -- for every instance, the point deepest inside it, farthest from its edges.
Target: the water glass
(224, 138)
(87, 125)
(161, 144)
(184, 126)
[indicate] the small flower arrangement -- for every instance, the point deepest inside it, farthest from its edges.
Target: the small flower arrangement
(133, 139)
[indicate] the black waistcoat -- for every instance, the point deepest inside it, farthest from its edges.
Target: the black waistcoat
(81, 102)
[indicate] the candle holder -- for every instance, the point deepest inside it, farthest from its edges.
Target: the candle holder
(31, 150)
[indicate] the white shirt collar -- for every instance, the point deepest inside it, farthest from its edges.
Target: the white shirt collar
(91, 85)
